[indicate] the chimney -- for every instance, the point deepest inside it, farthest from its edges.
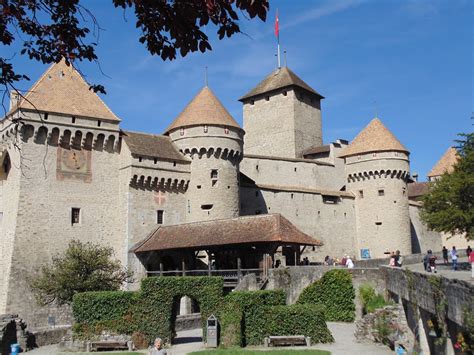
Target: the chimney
(14, 98)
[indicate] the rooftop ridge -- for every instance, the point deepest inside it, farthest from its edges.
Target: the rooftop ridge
(277, 79)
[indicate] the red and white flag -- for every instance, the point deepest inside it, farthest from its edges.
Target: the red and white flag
(277, 26)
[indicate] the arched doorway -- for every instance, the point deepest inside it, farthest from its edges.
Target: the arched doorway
(186, 323)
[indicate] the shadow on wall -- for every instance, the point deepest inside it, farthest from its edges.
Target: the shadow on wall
(415, 242)
(8, 337)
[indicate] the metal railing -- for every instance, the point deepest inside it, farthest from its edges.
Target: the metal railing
(231, 276)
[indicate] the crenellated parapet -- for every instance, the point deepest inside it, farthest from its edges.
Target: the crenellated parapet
(234, 156)
(65, 136)
(378, 174)
(158, 183)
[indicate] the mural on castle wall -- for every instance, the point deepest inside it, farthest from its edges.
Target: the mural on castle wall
(73, 164)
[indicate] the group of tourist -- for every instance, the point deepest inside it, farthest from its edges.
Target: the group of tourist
(429, 260)
(396, 259)
(345, 261)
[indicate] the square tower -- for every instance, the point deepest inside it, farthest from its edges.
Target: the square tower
(282, 116)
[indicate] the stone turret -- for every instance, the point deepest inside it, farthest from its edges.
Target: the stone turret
(207, 134)
(282, 116)
(377, 170)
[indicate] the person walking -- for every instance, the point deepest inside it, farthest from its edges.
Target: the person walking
(468, 251)
(454, 258)
(398, 259)
(445, 255)
(426, 260)
(471, 261)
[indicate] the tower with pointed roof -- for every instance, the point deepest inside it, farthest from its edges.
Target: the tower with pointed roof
(282, 116)
(206, 133)
(377, 171)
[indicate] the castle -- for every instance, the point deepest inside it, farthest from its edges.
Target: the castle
(69, 172)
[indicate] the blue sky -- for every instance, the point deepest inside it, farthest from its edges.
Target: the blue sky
(414, 58)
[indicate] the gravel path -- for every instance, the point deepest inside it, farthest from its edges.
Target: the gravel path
(190, 340)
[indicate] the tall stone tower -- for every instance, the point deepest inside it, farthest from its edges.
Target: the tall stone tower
(282, 116)
(377, 169)
(213, 140)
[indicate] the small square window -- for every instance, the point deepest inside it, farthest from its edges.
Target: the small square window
(361, 193)
(99, 123)
(140, 159)
(160, 216)
(381, 192)
(75, 215)
(378, 223)
(73, 119)
(226, 130)
(214, 174)
(155, 161)
(181, 131)
(46, 116)
(206, 129)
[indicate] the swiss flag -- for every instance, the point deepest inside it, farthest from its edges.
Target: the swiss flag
(277, 26)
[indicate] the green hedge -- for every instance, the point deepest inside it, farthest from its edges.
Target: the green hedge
(253, 305)
(298, 319)
(90, 307)
(149, 311)
(370, 299)
(335, 293)
(230, 317)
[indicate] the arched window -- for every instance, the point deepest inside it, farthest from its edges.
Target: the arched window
(5, 165)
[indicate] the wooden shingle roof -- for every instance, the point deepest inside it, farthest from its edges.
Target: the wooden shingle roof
(151, 145)
(375, 137)
(61, 89)
(278, 79)
(204, 109)
(242, 230)
(446, 163)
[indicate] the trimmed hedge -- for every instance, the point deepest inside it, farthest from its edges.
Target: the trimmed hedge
(335, 293)
(90, 307)
(254, 306)
(298, 319)
(230, 317)
(149, 311)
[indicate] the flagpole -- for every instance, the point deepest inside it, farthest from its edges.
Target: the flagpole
(277, 32)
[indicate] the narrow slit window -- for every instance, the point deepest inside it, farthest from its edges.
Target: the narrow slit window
(160, 216)
(99, 123)
(75, 215)
(73, 119)
(206, 207)
(361, 193)
(214, 174)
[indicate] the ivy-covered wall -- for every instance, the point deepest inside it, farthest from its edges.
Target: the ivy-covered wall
(148, 311)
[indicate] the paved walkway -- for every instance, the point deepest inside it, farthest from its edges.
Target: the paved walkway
(463, 273)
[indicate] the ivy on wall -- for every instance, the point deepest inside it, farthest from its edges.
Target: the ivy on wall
(335, 293)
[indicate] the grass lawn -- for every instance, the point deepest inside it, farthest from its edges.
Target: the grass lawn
(249, 352)
(107, 353)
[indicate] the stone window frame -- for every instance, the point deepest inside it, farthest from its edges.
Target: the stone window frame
(160, 217)
(75, 216)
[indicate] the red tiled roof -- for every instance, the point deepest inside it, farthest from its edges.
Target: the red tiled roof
(270, 228)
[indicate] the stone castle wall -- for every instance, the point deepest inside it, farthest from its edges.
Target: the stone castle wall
(378, 181)
(215, 153)
(50, 185)
(9, 199)
(282, 124)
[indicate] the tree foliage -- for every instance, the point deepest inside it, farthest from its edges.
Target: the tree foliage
(449, 205)
(49, 30)
(83, 267)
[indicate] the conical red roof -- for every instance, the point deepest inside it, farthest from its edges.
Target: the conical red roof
(204, 109)
(373, 138)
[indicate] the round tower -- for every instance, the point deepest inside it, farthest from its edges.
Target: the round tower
(213, 140)
(377, 170)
